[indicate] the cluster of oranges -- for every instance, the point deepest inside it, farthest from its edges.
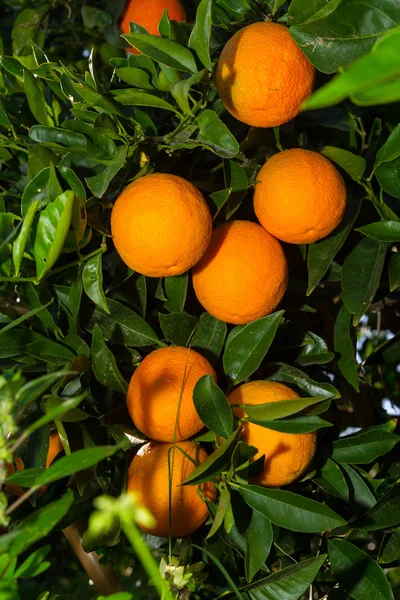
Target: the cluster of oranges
(161, 226)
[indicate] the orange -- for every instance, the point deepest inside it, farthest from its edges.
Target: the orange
(262, 75)
(161, 225)
(55, 447)
(148, 14)
(243, 274)
(300, 196)
(287, 455)
(149, 476)
(162, 386)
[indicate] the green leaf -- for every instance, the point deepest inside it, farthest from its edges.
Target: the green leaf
(247, 345)
(388, 176)
(122, 326)
(363, 447)
(224, 503)
(322, 253)
(98, 184)
(331, 479)
(95, 17)
(13, 66)
(40, 523)
(63, 467)
(35, 98)
(277, 410)
(344, 337)
(139, 98)
(92, 278)
(361, 275)
(163, 51)
(382, 231)
(346, 33)
(295, 425)
(20, 242)
(291, 511)
(52, 229)
(390, 149)
(361, 497)
(56, 412)
(362, 81)
(358, 574)
(259, 536)
(213, 407)
(215, 462)
(180, 91)
(56, 137)
(209, 336)
(301, 12)
(177, 327)
(134, 76)
(385, 514)
(353, 164)
(199, 39)
(27, 26)
(104, 364)
(391, 549)
(295, 377)
(73, 415)
(394, 271)
(176, 290)
(289, 583)
(214, 135)
(315, 353)
(32, 390)
(34, 564)
(49, 351)
(36, 191)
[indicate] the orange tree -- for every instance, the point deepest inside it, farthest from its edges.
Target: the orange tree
(290, 475)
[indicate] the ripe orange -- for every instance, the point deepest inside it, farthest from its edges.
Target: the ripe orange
(55, 447)
(149, 476)
(262, 75)
(161, 225)
(287, 455)
(243, 274)
(148, 14)
(161, 386)
(300, 196)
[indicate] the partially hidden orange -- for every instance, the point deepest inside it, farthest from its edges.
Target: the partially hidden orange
(148, 14)
(151, 470)
(160, 393)
(243, 274)
(161, 225)
(262, 75)
(287, 455)
(300, 196)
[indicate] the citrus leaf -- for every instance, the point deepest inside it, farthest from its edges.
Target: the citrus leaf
(92, 278)
(209, 336)
(104, 364)
(363, 447)
(353, 164)
(247, 345)
(163, 51)
(258, 536)
(344, 336)
(277, 410)
(383, 231)
(213, 407)
(361, 275)
(385, 513)
(291, 511)
(357, 573)
(201, 33)
(215, 462)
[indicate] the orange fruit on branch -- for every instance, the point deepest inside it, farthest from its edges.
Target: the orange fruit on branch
(161, 225)
(300, 196)
(162, 387)
(262, 75)
(243, 274)
(149, 475)
(287, 455)
(148, 14)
